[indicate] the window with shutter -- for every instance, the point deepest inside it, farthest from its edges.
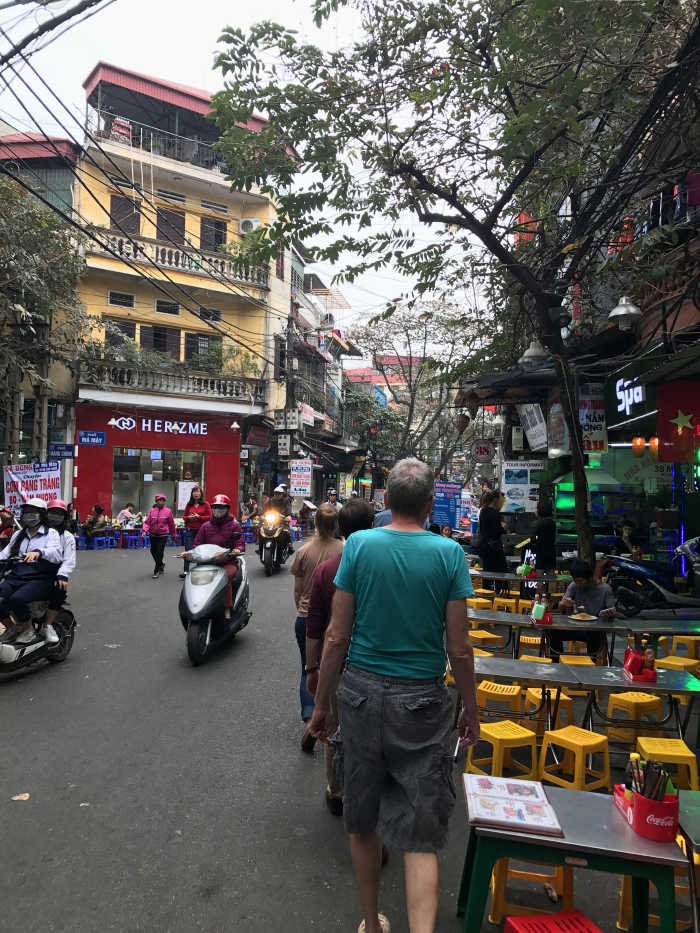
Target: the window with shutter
(201, 345)
(124, 215)
(146, 337)
(170, 226)
(212, 234)
(117, 330)
(163, 339)
(279, 265)
(121, 299)
(163, 306)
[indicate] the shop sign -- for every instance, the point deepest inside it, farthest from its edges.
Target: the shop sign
(520, 484)
(448, 503)
(307, 414)
(625, 398)
(60, 451)
(24, 481)
(300, 474)
(160, 426)
(678, 421)
(532, 420)
(283, 445)
(591, 415)
(92, 438)
(482, 451)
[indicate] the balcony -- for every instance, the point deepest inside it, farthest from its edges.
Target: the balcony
(107, 126)
(212, 265)
(131, 378)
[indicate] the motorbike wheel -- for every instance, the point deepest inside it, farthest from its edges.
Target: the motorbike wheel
(267, 562)
(64, 623)
(197, 642)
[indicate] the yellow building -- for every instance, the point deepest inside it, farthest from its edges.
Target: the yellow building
(190, 335)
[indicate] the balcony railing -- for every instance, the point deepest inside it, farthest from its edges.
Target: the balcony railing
(138, 249)
(126, 132)
(113, 375)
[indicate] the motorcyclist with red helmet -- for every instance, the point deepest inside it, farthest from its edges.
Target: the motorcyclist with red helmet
(58, 517)
(224, 530)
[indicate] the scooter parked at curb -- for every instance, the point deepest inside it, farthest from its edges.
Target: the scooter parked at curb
(640, 585)
(202, 601)
(14, 656)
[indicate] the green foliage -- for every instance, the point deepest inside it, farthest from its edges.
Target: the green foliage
(41, 317)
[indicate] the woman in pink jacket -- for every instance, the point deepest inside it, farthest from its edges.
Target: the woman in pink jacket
(159, 524)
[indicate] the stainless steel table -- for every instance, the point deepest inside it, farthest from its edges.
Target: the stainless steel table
(504, 576)
(689, 825)
(596, 837)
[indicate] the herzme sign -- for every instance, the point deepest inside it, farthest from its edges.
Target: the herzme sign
(158, 426)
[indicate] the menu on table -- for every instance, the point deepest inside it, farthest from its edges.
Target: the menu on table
(512, 803)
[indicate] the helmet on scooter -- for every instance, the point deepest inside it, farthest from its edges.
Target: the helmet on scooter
(57, 504)
(221, 499)
(35, 503)
(28, 518)
(280, 488)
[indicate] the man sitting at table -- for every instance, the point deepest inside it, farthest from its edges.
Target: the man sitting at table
(584, 594)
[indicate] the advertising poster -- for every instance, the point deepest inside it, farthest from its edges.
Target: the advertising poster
(532, 420)
(591, 414)
(557, 432)
(24, 481)
(448, 501)
(300, 473)
(184, 491)
(520, 484)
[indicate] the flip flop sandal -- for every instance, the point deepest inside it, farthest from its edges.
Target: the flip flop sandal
(383, 923)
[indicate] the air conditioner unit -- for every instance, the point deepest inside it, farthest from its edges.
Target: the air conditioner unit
(249, 224)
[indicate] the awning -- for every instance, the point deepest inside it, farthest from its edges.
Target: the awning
(684, 364)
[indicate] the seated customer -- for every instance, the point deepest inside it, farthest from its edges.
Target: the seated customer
(584, 594)
(127, 514)
(94, 524)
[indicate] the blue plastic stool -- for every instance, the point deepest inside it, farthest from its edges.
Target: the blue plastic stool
(146, 540)
(113, 539)
(132, 541)
(99, 544)
(80, 543)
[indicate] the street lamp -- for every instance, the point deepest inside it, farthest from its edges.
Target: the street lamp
(534, 355)
(625, 313)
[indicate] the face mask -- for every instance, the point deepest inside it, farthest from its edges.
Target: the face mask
(30, 519)
(56, 520)
(219, 513)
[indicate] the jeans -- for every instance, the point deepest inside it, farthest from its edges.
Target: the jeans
(307, 701)
(158, 550)
(188, 536)
(17, 594)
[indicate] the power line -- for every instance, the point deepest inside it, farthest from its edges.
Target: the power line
(53, 23)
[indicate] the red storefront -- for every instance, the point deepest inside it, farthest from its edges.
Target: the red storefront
(128, 454)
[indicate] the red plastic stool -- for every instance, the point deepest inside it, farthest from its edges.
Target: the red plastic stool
(568, 921)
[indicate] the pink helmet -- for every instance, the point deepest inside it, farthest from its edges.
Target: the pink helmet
(57, 504)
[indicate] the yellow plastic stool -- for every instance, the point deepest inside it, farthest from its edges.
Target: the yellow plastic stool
(671, 752)
(504, 737)
(691, 643)
(481, 637)
(577, 743)
(479, 653)
(478, 602)
(534, 657)
(582, 660)
(533, 698)
(485, 593)
(530, 641)
(681, 886)
(487, 691)
(672, 663)
(635, 705)
(562, 880)
(505, 605)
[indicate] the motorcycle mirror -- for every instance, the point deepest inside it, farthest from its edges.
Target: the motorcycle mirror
(235, 536)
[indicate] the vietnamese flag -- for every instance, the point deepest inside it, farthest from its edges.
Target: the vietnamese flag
(678, 421)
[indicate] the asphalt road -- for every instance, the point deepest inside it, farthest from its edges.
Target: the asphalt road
(170, 798)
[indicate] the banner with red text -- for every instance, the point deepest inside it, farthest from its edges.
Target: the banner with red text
(24, 481)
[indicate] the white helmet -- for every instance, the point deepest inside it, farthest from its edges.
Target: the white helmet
(35, 503)
(280, 489)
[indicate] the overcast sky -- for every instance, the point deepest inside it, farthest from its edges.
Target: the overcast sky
(171, 40)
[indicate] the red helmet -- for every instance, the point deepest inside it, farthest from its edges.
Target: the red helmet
(57, 504)
(221, 499)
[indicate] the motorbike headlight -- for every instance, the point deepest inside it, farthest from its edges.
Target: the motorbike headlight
(270, 518)
(202, 577)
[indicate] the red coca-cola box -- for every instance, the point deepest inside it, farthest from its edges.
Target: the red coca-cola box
(653, 819)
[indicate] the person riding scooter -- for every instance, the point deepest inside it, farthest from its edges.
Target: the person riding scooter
(58, 518)
(279, 502)
(224, 530)
(31, 578)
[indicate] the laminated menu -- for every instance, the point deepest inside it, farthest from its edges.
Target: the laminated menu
(511, 803)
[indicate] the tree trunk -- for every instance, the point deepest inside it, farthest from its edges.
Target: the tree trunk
(586, 550)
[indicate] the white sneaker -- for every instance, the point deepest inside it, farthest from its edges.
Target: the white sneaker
(26, 636)
(50, 634)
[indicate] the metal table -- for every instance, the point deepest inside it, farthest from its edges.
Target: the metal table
(596, 837)
(506, 577)
(671, 684)
(689, 825)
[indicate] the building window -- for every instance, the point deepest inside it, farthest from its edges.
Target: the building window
(121, 299)
(163, 306)
(116, 331)
(162, 339)
(170, 226)
(212, 235)
(206, 347)
(279, 265)
(124, 215)
(210, 314)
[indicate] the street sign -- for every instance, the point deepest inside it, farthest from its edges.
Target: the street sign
(92, 438)
(482, 451)
(60, 451)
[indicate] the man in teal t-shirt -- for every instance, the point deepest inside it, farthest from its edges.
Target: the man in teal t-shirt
(399, 605)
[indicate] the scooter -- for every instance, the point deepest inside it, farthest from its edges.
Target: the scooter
(273, 536)
(640, 585)
(14, 656)
(202, 601)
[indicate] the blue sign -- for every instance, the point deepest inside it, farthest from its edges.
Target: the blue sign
(448, 500)
(379, 396)
(92, 438)
(61, 451)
